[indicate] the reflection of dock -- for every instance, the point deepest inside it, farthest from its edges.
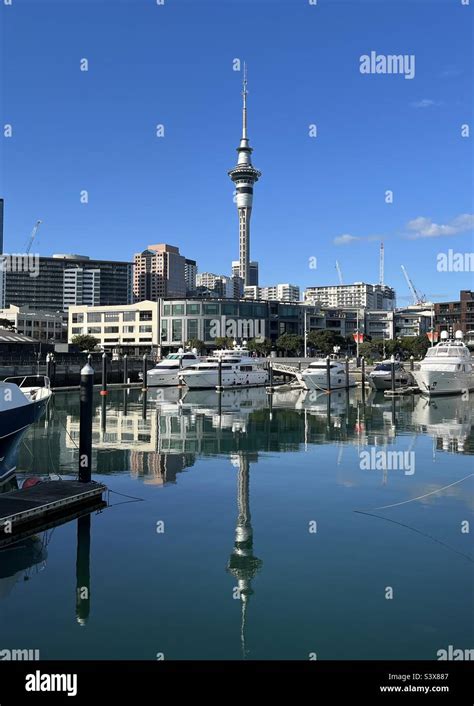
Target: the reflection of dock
(22, 511)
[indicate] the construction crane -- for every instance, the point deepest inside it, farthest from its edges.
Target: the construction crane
(32, 237)
(382, 265)
(417, 297)
(339, 273)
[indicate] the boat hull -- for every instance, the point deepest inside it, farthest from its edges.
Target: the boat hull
(318, 381)
(13, 425)
(384, 382)
(436, 382)
(232, 379)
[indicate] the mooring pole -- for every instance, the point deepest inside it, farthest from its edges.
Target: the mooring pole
(103, 392)
(392, 361)
(347, 372)
(144, 373)
(328, 373)
(48, 366)
(86, 392)
(362, 363)
(412, 363)
(270, 388)
(83, 586)
(125, 369)
(219, 387)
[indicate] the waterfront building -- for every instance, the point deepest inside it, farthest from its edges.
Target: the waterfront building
(190, 274)
(159, 271)
(244, 175)
(219, 285)
(44, 326)
(456, 314)
(359, 294)
(380, 324)
(133, 328)
(412, 321)
(275, 292)
(62, 280)
(253, 272)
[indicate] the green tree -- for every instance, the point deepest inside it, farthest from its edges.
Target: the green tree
(6, 323)
(325, 340)
(197, 344)
(289, 342)
(84, 342)
(224, 342)
(263, 347)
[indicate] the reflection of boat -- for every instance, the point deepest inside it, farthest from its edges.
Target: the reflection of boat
(447, 367)
(16, 559)
(167, 370)
(229, 400)
(20, 406)
(314, 377)
(381, 375)
(238, 369)
(448, 419)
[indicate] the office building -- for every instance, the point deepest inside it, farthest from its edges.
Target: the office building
(44, 326)
(276, 292)
(190, 274)
(61, 280)
(159, 271)
(253, 272)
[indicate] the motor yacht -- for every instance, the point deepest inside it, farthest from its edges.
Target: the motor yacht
(381, 375)
(314, 377)
(238, 369)
(166, 372)
(447, 367)
(21, 404)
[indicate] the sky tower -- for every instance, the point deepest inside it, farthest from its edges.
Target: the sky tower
(244, 175)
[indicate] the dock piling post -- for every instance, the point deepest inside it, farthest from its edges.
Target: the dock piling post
(219, 387)
(103, 392)
(362, 363)
(412, 363)
(86, 392)
(328, 373)
(392, 363)
(125, 369)
(144, 373)
(48, 366)
(270, 388)
(347, 372)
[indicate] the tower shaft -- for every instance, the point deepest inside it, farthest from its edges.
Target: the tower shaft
(244, 175)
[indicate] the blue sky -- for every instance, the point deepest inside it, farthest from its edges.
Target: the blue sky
(173, 65)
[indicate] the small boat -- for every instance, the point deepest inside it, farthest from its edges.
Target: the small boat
(314, 377)
(166, 372)
(21, 404)
(381, 375)
(447, 367)
(238, 369)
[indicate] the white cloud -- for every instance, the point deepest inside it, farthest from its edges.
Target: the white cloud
(422, 227)
(345, 239)
(425, 103)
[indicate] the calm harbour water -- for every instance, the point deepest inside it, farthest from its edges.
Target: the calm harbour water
(314, 559)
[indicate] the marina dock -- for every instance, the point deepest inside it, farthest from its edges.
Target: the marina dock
(29, 509)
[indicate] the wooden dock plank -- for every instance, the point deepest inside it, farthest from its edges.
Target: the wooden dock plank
(46, 497)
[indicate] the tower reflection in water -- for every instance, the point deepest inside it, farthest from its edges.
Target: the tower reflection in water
(243, 565)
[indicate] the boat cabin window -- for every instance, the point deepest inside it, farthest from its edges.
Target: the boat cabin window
(172, 356)
(246, 368)
(189, 356)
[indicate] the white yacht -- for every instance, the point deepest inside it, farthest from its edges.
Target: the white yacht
(314, 377)
(238, 370)
(167, 370)
(447, 368)
(381, 375)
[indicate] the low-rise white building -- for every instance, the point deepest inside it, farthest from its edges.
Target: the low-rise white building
(41, 325)
(133, 327)
(359, 294)
(274, 292)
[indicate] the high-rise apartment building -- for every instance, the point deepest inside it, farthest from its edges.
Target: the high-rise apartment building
(159, 271)
(190, 273)
(275, 292)
(253, 272)
(359, 294)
